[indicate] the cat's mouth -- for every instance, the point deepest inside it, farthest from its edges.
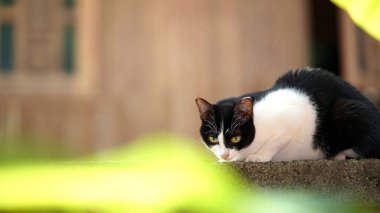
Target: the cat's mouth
(227, 155)
(235, 158)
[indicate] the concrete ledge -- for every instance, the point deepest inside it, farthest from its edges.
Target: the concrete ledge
(351, 179)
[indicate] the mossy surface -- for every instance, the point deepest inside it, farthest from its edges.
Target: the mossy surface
(350, 179)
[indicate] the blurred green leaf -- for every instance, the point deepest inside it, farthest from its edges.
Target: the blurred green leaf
(365, 13)
(160, 173)
(155, 174)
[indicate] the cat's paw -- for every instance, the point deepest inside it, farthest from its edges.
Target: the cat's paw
(257, 158)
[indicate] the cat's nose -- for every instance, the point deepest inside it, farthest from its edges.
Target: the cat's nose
(225, 155)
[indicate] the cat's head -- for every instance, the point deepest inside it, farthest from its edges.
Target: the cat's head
(227, 127)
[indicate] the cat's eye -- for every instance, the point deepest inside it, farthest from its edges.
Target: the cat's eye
(213, 139)
(236, 139)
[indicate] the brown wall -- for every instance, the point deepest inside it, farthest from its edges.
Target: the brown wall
(142, 63)
(173, 51)
(360, 56)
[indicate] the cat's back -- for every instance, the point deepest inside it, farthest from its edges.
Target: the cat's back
(346, 118)
(322, 86)
(303, 76)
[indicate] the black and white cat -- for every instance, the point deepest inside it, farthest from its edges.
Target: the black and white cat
(308, 114)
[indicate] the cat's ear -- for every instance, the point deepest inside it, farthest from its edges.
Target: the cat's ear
(244, 109)
(206, 109)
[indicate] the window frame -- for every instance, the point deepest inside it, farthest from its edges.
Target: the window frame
(88, 63)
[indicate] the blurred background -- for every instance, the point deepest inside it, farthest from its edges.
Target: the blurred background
(87, 75)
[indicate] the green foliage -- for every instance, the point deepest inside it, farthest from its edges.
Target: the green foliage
(161, 173)
(365, 13)
(16, 148)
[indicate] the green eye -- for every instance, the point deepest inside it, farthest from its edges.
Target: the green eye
(213, 139)
(236, 139)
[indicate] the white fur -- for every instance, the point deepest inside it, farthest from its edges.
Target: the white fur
(285, 122)
(344, 154)
(221, 149)
(309, 69)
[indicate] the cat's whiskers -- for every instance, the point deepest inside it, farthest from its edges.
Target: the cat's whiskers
(233, 128)
(211, 125)
(213, 120)
(213, 129)
(233, 125)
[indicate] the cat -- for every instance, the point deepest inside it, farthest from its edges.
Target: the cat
(308, 114)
